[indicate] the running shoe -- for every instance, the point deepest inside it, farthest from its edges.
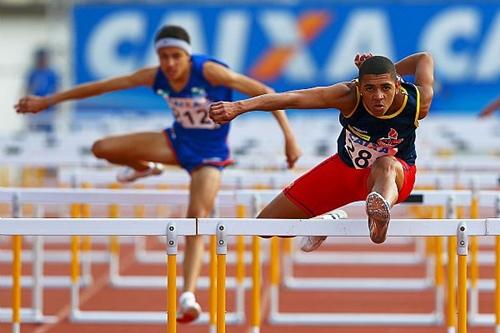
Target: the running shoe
(128, 175)
(311, 243)
(379, 215)
(189, 309)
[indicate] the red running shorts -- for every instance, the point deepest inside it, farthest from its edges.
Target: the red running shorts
(333, 184)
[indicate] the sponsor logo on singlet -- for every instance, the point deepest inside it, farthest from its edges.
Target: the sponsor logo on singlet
(363, 153)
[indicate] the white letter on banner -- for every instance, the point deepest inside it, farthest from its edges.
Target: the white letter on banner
(231, 40)
(365, 31)
(283, 31)
(188, 20)
(101, 52)
(438, 38)
(489, 57)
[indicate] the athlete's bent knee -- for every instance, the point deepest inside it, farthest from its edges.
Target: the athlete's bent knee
(385, 165)
(100, 149)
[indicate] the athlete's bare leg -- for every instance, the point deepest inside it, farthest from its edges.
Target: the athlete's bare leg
(386, 178)
(385, 181)
(205, 183)
(135, 150)
(282, 208)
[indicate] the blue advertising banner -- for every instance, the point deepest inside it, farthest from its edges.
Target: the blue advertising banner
(297, 46)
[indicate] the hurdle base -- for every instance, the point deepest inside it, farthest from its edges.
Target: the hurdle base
(388, 284)
(48, 281)
(139, 317)
(156, 282)
(28, 316)
(356, 319)
(481, 319)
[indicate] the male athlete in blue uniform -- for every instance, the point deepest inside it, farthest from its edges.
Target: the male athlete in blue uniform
(189, 83)
(376, 155)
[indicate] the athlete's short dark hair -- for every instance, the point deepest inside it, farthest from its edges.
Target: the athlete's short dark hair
(172, 31)
(377, 65)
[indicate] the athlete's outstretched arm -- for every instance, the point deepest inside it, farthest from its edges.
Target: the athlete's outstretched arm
(340, 96)
(217, 74)
(490, 108)
(420, 65)
(34, 104)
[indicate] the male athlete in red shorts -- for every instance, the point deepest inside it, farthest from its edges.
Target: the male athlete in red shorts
(376, 155)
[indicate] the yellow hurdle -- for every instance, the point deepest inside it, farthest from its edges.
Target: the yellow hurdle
(171, 279)
(439, 265)
(75, 247)
(16, 282)
(212, 306)
(171, 293)
(240, 248)
(275, 261)
(256, 277)
(451, 321)
(497, 281)
(474, 244)
(462, 294)
(221, 279)
(114, 212)
(462, 252)
(86, 213)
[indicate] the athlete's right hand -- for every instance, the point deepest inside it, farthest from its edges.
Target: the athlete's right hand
(223, 112)
(32, 104)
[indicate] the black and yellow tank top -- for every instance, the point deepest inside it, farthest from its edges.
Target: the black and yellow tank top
(365, 137)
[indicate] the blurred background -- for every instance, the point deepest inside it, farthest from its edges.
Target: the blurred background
(287, 44)
(48, 45)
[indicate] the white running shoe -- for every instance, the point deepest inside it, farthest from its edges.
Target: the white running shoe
(189, 309)
(311, 243)
(379, 215)
(128, 175)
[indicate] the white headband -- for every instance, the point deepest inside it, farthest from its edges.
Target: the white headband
(175, 42)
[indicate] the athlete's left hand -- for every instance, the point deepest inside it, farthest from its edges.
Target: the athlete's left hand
(360, 58)
(223, 112)
(292, 151)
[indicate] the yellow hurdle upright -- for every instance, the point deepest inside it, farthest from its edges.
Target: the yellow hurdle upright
(462, 251)
(171, 279)
(213, 284)
(256, 277)
(221, 278)
(16, 283)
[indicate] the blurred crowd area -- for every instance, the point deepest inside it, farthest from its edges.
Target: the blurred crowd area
(467, 77)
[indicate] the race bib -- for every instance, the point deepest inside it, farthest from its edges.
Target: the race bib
(192, 112)
(364, 153)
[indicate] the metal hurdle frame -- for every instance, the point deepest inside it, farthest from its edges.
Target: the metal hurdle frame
(403, 227)
(170, 228)
(231, 178)
(461, 228)
(124, 197)
(427, 197)
(450, 199)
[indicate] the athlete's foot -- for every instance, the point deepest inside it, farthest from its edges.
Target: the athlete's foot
(379, 215)
(189, 309)
(128, 175)
(311, 243)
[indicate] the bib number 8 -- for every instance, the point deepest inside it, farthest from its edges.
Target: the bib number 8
(362, 159)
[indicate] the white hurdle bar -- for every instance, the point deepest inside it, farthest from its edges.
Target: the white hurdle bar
(348, 228)
(109, 196)
(462, 228)
(18, 227)
(449, 199)
(427, 197)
